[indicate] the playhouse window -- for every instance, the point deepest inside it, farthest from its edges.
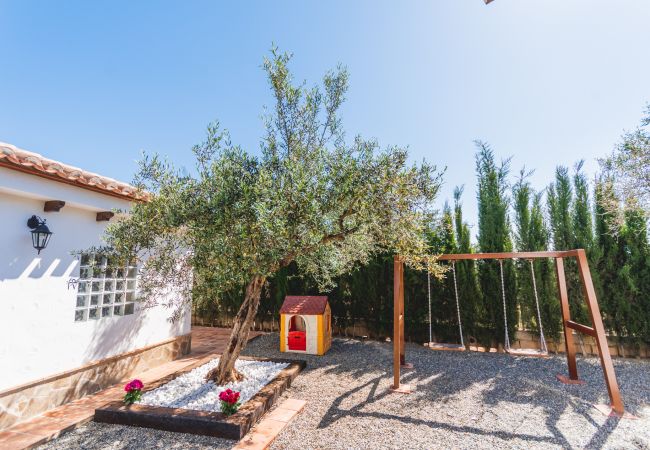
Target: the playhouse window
(297, 323)
(104, 291)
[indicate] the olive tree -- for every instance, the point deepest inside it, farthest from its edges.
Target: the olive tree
(629, 168)
(308, 197)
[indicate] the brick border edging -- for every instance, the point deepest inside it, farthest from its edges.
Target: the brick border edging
(203, 422)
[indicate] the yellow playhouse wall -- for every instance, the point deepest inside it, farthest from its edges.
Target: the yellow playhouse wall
(320, 337)
(328, 333)
(324, 335)
(283, 334)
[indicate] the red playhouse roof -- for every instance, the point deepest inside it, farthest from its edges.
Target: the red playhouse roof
(304, 304)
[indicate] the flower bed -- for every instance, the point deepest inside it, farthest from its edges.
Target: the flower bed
(207, 421)
(191, 391)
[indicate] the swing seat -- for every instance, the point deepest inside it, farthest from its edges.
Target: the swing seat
(445, 347)
(527, 352)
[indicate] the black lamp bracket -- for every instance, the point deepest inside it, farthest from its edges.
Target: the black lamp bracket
(34, 221)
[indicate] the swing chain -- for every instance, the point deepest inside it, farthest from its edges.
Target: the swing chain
(542, 340)
(506, 344)
(460, 323)
(429, 291)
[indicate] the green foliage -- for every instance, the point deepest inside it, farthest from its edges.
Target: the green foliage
(494, 236)
(472, 309)
(560, 198)
(532, 234)
(583, 236)
(622, 261)
(620, 269)
(636, 272)
(629, 170)
(315, 213)
(571, 227)
(309, 199)
(132, 396)
(443, 305)
(133, 391)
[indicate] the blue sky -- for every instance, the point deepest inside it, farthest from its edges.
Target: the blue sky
(545, 81)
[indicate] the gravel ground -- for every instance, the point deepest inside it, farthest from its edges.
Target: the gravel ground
(101, 436)
(461, 400)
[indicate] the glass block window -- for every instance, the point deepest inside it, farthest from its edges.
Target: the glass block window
(104, 291)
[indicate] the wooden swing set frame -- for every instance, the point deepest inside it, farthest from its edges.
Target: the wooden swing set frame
(597, 330)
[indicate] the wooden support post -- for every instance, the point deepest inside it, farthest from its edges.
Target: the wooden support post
(597, 329)
(397, 319)
(601, 337)
(402, 341)
(402, 351)
(398, 325)
(566, 318)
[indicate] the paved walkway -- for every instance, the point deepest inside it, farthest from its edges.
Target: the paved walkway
(264, 433)
(49, 425)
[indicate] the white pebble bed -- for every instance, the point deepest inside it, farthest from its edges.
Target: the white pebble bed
(191, 391)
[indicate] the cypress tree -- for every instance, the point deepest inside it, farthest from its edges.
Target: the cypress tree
(532, 234)
(636, 273)
(609, 258)
(563, 216)
(471, 302)
(494, 236)
(583, 237)
(444, 317)
(622, 258)
(582, 222)
(560, 196)
(545, 272)
(521, 194)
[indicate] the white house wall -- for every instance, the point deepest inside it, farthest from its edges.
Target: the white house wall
(38, 334)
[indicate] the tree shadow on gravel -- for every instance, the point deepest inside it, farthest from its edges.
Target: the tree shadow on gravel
(552, 415)
(335, 412)
(441, 377)
(603, 432)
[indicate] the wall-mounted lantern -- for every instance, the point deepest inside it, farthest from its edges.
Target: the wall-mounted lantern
(40, 233)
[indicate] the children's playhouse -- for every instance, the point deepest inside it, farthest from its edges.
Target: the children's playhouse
(305, 324)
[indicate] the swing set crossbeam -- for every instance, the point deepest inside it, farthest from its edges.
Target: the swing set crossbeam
(508, 255)
(597, 330)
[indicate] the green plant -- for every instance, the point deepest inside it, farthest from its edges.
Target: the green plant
(229, 401)
(133, 391)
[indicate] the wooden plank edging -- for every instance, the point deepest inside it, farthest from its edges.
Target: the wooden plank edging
(203, 422)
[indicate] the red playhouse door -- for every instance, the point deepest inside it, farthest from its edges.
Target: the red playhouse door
(297, 334)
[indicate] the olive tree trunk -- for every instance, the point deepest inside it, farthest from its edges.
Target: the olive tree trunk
(225, 372)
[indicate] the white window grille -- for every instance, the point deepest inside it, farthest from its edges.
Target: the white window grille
(104, 291)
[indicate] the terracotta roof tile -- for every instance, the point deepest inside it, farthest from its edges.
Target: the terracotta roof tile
(304, 304)
(13, 157)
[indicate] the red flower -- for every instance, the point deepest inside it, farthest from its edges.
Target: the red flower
(229, 396)
(134, 385)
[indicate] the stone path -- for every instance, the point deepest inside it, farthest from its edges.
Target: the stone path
(264, 433)
(49, 425)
